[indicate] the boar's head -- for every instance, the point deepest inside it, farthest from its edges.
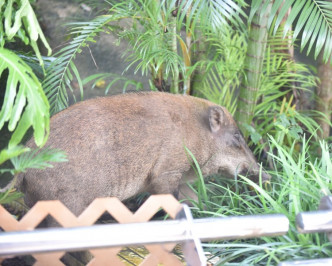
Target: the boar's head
(232, 155)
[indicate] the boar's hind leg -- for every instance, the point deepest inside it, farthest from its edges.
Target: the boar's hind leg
(166, 183)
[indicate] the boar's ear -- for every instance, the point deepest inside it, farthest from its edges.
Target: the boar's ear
(216, 118)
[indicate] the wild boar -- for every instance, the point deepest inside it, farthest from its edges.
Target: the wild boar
(126, 144)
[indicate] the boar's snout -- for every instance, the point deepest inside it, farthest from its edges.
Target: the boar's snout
(254, 173)
(266, 178)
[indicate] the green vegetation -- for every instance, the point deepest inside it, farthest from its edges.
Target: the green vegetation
(25, 104)
(211, 49)
(299, 181)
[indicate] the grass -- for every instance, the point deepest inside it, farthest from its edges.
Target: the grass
(299, 182)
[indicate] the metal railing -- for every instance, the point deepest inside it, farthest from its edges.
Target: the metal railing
(184, 229)
(315, 222)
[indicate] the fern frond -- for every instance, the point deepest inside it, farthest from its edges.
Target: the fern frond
(25, 103)
(62, 70)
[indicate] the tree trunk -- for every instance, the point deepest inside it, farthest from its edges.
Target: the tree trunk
(174, 45)
(324, 96)
(253, 68)
(199, 54)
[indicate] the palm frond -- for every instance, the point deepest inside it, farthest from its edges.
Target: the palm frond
(215, 14)
(25, 103)
(62, 70)
(311, 18)
(152, 52)
(217, 89)
(39, 159)
(33, 62)
(9, 153)
(276, 113)
(24, 25)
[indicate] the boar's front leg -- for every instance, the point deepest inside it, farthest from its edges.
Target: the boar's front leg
(165, 183)
(186, 194)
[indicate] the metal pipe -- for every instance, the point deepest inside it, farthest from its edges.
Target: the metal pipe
(241, 227)
(318, 262)
(155, 232)
(314, 222)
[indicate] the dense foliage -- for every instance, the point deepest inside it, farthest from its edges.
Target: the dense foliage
(300, 180)
(25, 104)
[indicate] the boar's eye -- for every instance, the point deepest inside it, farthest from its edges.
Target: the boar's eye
(236, 142)
(237, 136)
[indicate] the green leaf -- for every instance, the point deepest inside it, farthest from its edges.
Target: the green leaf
(284, 121)
(315, 19)
(295, 132)
(254, 135)
(320, 40)
(115, 78)
(296, 8)
(10, 196)
(24, 18)
(12, 152)
(304, 15)
(310, 26)
(220, 75)
(59, 73)
(215, 13)
(23, 90)
(284, 9)
(197, 169)
(93, 77)
(255, 4)
(274, 9)
(39, 159)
